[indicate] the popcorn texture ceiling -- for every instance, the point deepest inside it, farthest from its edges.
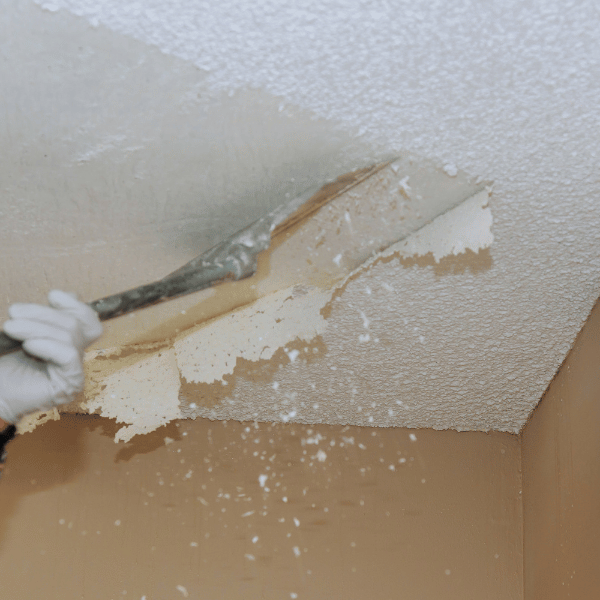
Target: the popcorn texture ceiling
(137, 134)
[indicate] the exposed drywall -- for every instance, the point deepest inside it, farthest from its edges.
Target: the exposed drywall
(259, 511)
(208, 363)
(138, 134)
(561, 478)
(256, 332)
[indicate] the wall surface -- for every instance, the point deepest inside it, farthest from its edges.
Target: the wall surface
(272, 512)
(561, 479)
(137, 134)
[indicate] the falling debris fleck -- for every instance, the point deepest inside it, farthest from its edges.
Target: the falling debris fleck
(292, 355)
(312, 440)
(296, 522)
(194, 544)
(290, 415)
(293, 595)
(412, 437)
(337, 259)
(117, 522)
(250, 556)
(262, 479)
(184, 592)
(447, 571)
(249, 513)
(168, 441)
(403, 184)
(366, 321)
(450, 170)
(392, 467)
(296, 551)
(255, 539)
(321, 456)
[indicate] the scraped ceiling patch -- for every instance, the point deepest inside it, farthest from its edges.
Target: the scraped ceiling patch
(145, 395)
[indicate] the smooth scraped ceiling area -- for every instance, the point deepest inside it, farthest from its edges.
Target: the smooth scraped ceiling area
(136, 135)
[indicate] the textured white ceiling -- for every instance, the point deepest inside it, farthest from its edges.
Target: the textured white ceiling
(161, 126)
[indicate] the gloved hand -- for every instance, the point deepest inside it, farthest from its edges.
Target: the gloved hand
(50, 369)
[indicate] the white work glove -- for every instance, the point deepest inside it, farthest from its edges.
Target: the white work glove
(50, 369)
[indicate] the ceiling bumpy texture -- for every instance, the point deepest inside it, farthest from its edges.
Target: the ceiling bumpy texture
(235, 105)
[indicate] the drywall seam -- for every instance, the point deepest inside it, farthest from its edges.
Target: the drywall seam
(145, 394)
(466, 227)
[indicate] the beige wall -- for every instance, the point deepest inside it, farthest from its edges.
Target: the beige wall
(82, 517)
(561, 479)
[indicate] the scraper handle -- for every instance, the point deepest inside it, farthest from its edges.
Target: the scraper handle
(232, 259)
(146, 295)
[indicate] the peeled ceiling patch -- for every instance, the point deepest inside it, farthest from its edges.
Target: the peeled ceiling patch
(144, 395)
(255, 332)
(30, 422)
(467, 226)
